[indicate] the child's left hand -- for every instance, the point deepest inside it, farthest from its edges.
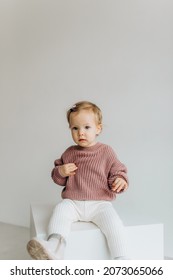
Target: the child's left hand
(119, 185)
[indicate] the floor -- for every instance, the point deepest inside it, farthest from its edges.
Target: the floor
(13, 240)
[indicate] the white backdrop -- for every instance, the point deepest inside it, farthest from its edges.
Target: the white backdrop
(117, 53)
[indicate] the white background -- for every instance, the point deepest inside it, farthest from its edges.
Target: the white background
(116, 53)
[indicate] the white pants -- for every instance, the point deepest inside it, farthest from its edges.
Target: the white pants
(101, 213)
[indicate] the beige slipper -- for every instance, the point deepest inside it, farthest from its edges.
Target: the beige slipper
(39, 250)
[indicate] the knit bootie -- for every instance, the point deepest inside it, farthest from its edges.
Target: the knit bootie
(40, 249)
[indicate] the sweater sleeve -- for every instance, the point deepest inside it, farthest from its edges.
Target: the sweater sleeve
(117, 169)
(55, 174)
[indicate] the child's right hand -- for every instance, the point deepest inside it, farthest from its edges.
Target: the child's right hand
(67, 169)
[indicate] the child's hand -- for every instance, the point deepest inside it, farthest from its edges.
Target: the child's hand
(67, 169)
(119, 185)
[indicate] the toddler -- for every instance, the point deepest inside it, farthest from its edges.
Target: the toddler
(92, 176)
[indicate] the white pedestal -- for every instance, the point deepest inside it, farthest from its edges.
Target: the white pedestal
(86, 241)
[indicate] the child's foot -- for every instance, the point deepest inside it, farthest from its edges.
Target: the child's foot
(121, 258)
(39, 249)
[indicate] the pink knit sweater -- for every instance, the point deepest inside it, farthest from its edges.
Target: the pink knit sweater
(98, 167)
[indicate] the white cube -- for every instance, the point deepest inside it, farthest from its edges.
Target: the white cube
(87, 242)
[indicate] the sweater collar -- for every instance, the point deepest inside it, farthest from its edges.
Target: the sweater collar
(89, 149)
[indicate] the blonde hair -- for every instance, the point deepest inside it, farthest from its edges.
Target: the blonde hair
(85, 105)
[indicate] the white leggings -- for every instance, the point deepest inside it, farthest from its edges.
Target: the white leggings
(101, 213)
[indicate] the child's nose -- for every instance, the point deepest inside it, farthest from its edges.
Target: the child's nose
(81, 132)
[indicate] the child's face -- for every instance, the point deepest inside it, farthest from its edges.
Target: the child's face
(84, 128)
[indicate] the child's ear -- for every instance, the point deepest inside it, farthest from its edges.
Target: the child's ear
(99, 129)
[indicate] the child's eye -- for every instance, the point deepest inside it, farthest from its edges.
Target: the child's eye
(87, 127)
(74, 128)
